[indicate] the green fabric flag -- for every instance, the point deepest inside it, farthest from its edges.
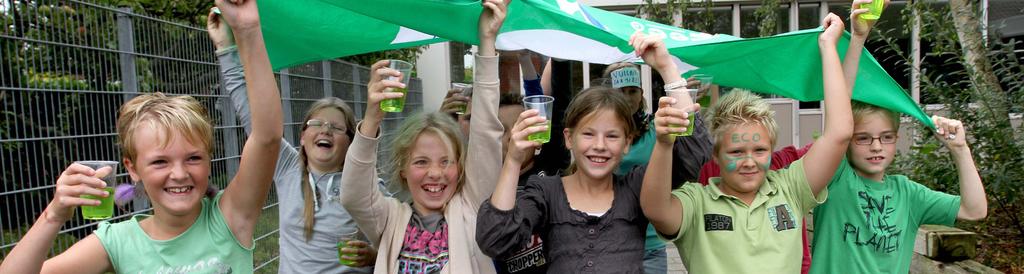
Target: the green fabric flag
(299, 32)
(787, 64)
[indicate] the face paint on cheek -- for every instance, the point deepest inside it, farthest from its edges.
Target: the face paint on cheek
(732, 163)
(731, 166)
(767, 165)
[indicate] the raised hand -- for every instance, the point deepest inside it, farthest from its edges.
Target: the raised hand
(861, 26)
(219, 31)
(75, 181)
(518, 145)
(950, 131)
(241, 15)
(668, 115)
(652, 49)
(834, 27)
(492, 17)
(454, 101)
(380, 87)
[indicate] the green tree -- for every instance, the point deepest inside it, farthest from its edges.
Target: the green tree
(978, 81)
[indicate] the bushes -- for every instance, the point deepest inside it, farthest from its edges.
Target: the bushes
(997, 147)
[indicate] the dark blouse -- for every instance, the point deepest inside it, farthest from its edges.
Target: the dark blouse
(574, 241)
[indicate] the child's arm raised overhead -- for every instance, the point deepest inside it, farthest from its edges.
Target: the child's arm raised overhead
(973, 204)
(861, 28)
(656, 200)
(245, 196)
(483, 165)
(826, 154)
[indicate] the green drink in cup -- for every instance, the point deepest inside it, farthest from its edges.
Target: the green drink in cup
(464, 90)
(343, 242)
(701, 95)
(682, 103)
(397, 104)
(874, 10)
(105, 170)
(543, 104)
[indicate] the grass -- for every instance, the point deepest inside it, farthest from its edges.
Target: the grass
(266, 248)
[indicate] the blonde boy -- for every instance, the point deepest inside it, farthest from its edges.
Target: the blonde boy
(748, 220)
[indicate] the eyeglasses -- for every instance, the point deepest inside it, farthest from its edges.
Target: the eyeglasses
(864, 139)
(324, 125)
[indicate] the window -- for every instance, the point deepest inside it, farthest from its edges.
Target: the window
(809, 17)
(749, 22)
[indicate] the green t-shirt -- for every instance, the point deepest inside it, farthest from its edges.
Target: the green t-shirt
(869, 227)
(720, 233)
(208, 246)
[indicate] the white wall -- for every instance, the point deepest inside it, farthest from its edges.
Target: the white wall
(432, 69)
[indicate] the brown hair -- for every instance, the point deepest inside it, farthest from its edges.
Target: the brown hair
(307, 191)
(591, 101)
(510, 99)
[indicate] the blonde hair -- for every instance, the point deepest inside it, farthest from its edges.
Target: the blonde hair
(166, 113)
(861, 110)
(593, 100)
(307, 191)
(739, 107)
(436, 123)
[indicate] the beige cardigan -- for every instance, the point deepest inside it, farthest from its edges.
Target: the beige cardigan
(384, 219)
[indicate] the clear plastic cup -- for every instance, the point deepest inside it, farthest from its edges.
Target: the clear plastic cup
(464, 90)
(398, 104)
(106, 171)
(543, 104)
(678, 94)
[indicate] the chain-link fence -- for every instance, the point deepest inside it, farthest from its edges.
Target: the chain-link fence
(68, 65)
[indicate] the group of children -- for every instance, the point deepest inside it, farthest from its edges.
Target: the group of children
(473, 210)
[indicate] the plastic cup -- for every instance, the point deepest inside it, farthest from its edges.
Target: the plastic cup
(343, 242)
(464, 90)
(397, 104)
(106, 208)
(543, 104)
(874, 10)
(678, 95)
(705, 81)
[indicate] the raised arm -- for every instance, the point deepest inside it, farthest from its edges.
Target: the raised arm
(861, 28)
(827, 152)
(243, 199)
(973, 203)
(656, 200)
(507, 221)
(359, 192)
(483, 165)
(233, 81)
(87, 255)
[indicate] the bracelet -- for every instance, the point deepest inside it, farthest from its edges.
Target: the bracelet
(676, 85)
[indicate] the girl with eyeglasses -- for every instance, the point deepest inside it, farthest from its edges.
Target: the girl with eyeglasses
(307, 179)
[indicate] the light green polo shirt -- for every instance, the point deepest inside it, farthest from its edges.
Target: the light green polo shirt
(720, 233)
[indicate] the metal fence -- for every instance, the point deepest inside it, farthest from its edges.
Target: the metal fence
(68, 65)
